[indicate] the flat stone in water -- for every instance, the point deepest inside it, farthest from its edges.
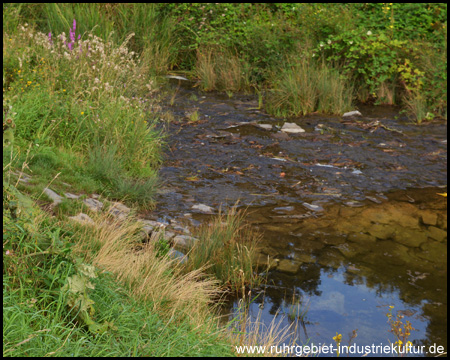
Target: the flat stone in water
(373, 199)
(354, 203)
(265, 126)
(203, 208)
(313, 207)
(352, 113)
(292, 128)
(283, 209)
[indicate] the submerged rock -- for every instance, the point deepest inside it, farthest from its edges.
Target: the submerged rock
(289, 266)
(312, 207)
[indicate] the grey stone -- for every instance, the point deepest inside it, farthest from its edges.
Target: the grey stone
(119, 210)
(72, 196)
(176, 77)
(312, 207)
(150, 223)
(93, 204)
(265, 126)
(203, 208)
(352, 113)
(52, 195)
(184, 242)
(292, 128)
(177, 255)
(82, 219)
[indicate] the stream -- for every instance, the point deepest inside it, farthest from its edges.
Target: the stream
(349, 211)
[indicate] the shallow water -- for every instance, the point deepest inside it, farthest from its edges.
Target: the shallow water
(348, 210)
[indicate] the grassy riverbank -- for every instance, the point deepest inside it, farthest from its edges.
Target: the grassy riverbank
(81, 114)
(382, 53)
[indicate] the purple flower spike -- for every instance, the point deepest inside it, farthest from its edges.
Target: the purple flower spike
(74, 25)
(79, 37)
(50, 38)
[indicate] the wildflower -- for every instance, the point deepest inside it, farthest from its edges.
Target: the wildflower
(329, 42)
(350, 42)
(369, 33)
(82, 113)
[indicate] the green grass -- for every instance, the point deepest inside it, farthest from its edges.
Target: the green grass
(259, 37)
(306, 87)
(44, 327)
(39, 258)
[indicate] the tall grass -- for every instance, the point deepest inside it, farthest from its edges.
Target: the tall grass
(78, 93)
(153, 308)
(227, 247)
(221, 69)
(306, 87)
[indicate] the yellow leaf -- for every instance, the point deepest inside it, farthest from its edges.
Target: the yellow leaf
(443, 194)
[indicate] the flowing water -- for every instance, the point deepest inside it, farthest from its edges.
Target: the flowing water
(349, 211)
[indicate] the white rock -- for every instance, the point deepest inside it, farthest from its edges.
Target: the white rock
(292, 128)
(352, 113)
(176, 77)
(203, 208)
(312, 207)
(265, 126)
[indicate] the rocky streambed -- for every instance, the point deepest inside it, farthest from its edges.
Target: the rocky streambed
(349, 208)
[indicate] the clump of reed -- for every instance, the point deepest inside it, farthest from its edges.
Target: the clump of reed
(221, 69)
(227, 248)
(305, 87)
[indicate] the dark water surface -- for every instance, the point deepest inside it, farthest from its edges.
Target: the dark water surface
(349, 211)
